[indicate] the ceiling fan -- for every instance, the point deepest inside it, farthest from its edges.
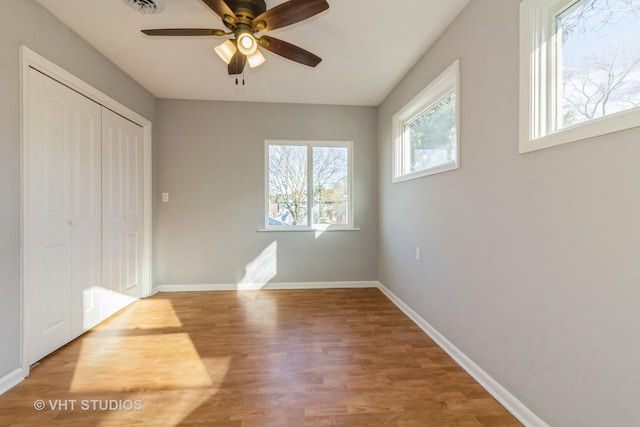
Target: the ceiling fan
(245, 18)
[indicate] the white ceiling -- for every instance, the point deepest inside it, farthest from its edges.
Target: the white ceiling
(367, 46)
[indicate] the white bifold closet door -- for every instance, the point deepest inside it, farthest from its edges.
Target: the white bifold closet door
(64, 214)
(83, 214)
(122, 179)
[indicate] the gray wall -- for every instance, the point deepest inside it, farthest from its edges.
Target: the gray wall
(530, 262)
(26, 22)
(211, 162)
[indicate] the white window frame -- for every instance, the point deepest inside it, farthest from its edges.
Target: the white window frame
(448, 81)
(310, 226)
(538, 82)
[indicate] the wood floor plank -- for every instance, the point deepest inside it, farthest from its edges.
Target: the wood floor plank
(335, 357)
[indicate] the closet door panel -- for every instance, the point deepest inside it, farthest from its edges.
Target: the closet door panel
(112, 214)
(122, 206)
(63, 214)
(132, 196)
(47, 237)
(86, 212)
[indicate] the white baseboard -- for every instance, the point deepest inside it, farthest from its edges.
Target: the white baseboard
(502, 395)
(269, 286)
(11, 380)
(193, 288)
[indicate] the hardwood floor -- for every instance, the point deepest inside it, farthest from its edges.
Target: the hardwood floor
(337, 357)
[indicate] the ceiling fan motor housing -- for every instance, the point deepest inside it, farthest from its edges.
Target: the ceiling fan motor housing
(246, 9)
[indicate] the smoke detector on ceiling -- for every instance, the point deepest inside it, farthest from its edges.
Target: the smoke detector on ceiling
(146, 6)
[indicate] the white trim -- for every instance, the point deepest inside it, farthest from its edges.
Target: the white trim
(538, 75)
(502, 395)
(40, 63)
(31, 59)
(442, 86)
(11, 380)
(303, 229)
(194, 288)
(268, 286)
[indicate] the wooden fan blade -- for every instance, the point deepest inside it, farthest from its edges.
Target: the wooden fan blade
(237, 63)
(222, 9)
(289, 13)
(184, 32)
(289, 51)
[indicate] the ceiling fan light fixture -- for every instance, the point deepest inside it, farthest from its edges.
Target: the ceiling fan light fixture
(256, 59)
(247, 44)
(226, 51)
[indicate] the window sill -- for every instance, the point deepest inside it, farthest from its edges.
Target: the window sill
(306, 230)
(597, 127)
(444, 167)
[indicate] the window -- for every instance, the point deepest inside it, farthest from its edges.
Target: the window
(308, 185)
(425, 134)
(579, 70)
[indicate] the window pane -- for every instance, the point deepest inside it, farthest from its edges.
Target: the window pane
(330, 185)
(432, 135)
(287, 185)
(598, 59)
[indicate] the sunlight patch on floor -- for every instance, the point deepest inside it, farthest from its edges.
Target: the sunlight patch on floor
(164, 371)
(178, 366)
(159, 313)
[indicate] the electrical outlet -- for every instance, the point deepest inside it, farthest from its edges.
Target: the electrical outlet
(165, 197)
(417, 253)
